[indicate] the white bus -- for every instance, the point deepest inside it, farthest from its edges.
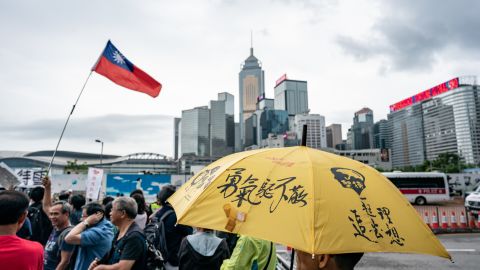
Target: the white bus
(421, 187)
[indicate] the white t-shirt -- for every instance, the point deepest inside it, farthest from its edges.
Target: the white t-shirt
(141, 220)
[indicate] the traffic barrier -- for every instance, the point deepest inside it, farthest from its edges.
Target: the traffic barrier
(453, 221)
(434, 221)
(444, 220)
(426, 219)
(472, 220)
(463, 221)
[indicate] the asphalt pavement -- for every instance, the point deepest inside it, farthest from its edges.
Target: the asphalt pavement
(464, 249)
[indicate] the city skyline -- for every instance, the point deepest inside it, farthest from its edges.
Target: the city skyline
(372, 52)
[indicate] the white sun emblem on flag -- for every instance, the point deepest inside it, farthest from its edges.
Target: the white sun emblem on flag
(118, 57)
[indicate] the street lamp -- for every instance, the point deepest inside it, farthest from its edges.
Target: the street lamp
(101, 152)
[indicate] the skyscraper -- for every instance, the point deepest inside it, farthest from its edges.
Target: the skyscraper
(362, 129)
(222, 125)
(176, 136)
(444, 118)
(195, 137)
(316, 134)
(334, 135)
(251, 87)
(381, 135)
(291, 96)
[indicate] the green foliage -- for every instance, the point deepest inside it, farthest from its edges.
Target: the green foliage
(445, 162)
(73, 166)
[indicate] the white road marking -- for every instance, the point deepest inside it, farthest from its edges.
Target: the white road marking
(461, 250)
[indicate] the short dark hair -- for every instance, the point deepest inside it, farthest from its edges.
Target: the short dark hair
(140, 203)
(107, 199)
(77, 201)
(93, 207)
(165, 193)
(347, 261)
(63, 196)
(108, 210)
(136, 191)
(36, 194)
(12, 205)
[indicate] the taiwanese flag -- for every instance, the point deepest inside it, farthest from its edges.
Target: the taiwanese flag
(116, 67)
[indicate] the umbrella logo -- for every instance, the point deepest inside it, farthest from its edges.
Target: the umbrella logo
(349, 178)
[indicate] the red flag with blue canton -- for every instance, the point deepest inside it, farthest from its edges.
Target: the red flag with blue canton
(116, 67)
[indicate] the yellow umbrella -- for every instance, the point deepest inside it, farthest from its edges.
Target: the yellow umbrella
(307, 199)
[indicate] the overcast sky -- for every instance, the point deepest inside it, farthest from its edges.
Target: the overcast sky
(353, 54)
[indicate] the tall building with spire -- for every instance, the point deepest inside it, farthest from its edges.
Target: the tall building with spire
(251, 87)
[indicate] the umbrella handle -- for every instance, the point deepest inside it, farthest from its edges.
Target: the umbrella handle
(292, 259)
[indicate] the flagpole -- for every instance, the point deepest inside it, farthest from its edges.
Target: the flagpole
(68, 118)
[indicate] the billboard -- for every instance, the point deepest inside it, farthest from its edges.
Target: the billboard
(123, 184)
(427, 94)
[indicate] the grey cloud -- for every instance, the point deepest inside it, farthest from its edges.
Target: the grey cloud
(110, 128)
(411, 34)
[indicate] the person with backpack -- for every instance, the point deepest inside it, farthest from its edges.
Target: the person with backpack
(128, 248)
(41, 225)
(174, 233)
(57, 251)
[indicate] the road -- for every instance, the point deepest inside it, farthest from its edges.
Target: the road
(464, 248)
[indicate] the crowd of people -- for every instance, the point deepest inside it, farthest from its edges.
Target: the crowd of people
(37, 232)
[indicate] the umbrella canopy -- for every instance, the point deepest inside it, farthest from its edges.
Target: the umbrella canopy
(307, 199)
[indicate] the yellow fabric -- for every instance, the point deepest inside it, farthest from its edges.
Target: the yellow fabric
(307, 199)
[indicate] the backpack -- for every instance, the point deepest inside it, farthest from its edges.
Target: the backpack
(157, 252)
(60, 240)
(41, 226)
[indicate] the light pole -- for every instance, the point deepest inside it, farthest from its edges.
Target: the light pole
(101, 152)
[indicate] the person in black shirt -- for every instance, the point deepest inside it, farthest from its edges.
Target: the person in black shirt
(129, 248)
(174, 233)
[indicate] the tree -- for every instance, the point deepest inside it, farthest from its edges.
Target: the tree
(445, 162)
(73, 166)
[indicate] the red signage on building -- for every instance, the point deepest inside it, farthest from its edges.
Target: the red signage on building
(425, 95)
(281, 79)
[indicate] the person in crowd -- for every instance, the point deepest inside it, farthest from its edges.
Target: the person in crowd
(41, 225)
(64, 196)
(154, 206)
(141, 218)
(252, 253)
(107, 199)
(129, 248)
(93, 236)
(139, 191)
(57, 251)
(77, 201)
(307, 261)
(108, 210)
(230, 238)
(25, 231)
(15, 252)
(174, 234)
(202, 251)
